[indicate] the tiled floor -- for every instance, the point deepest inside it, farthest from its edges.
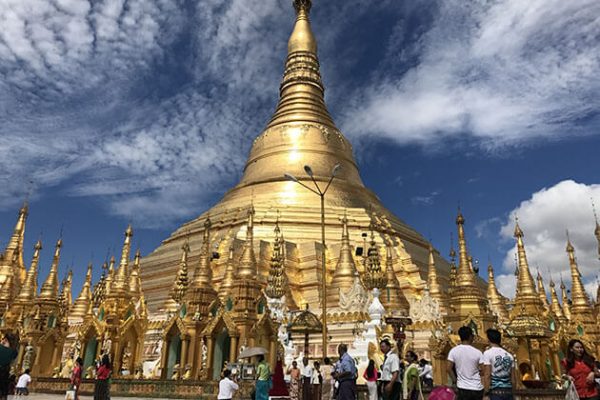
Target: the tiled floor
(38, 396)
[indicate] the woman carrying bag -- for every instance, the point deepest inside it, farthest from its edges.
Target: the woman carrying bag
(581, 370)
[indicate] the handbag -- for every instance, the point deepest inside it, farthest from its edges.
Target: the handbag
(571, 392)
(70, 394)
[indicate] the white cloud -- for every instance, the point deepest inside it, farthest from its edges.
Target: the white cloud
(504, 72)
(544, 218)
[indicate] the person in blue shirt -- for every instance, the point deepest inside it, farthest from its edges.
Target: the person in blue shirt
(345, 374)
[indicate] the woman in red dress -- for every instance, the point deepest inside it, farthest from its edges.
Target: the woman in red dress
(102, 387)
(581, 369)
(76, 376)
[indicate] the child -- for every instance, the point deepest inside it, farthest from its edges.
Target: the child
(22, 384)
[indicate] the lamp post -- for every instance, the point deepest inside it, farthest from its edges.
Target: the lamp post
(321, 193)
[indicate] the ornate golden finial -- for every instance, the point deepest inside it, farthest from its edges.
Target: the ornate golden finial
(580, 302)
(566, 303)
(392, 297)
(181, 281)
(83, 301)
(11, 262)
(554, 303)
(120, 283)
(435, 289)
(374, 276)
(135, 282)
(65, 296)
(277, 280)
(542, 291)
(203, 271)
(465, 276)
(49, 290)
(525, 285)
(302, 5)
(247, 268)
(99, 290)
(345, 270)
(29, 289)
(497, 302)
(229, 277)
(110, 276)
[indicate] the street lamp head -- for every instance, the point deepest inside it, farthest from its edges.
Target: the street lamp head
(308, 170)
(336, 169)
(291, 177)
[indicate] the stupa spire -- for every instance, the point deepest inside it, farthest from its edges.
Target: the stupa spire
(497, 302)
(120, 283)
(229, 277)
(110, 276)
(433, 283)
(374, 277)
(345, 269)
(392, 297)
(554, 303)
(566, 303)
(11, 264)
(66, 296)
(49, 290)
(597, 229)
(248, 268)
(135, 282)
(181, 283)
(29, 288)
(525, 284)
(580, 302)
(277, 280)
(82, 303)
(203, 271)
(465, 275)
(542, 291)
(452, 254)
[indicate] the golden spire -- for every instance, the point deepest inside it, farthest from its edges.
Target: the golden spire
(497, 301)
(566, 303)
(277, 280)
(135, 283)
(597, 230)
(345, 269)
(12, 270)
(82, 303)
(108, 281)
(181, 281)
(392, 298)
(465, 275)
(65, 296)
(247, 268)
(49, 290)
(29, 289)
(525, 284)
(203, 271)
(374, 276)
(580, 302)
(120, 283)
(229, 277)
(542, 291)
(452, 276)
(554, 303)
(433, 283)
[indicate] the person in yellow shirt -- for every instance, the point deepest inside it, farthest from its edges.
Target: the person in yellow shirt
(263, 379)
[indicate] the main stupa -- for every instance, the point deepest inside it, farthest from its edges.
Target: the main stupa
(301, 132)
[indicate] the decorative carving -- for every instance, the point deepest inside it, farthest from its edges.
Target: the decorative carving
(354, 299)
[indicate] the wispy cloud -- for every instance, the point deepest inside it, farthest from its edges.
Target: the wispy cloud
(426, 200)
(544, 218)
(504, 72)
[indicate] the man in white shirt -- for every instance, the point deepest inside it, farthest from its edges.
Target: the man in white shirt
(498, 370)
(390, 383)
(24, 380)
(463, 367)
(307, 373)
(227, 387)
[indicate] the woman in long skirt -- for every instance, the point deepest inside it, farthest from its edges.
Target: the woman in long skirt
(294, 372)
(102, 386)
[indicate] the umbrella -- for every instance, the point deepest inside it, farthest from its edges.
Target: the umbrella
(253, 351)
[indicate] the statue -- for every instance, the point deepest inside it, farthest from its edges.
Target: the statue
(125, 360)
(158, 348)
(187, 372)
(356, 298)
(139, 372)
(106, 345)
(56, 372)
(29, 357)
(67, 368)
(175, 375)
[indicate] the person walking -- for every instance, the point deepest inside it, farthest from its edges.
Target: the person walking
(498, 369)
(24, 381)
(581, 369)
(345, 374)
(295, 374)
(327, 384)
(315, 382)
(102, 384)
(227, 387)
(426, 373)
(390, 386)
(76, 376)
(263, 379)
(8, 353)
(371, 377)
(411, 383)
(307, 372)
(465, 359)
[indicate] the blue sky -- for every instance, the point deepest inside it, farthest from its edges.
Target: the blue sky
(143, 111)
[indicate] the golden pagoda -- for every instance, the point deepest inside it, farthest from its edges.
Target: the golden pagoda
(301, 132)
(12, 268)
(434, 286)
(496, 300)
(542, 292)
